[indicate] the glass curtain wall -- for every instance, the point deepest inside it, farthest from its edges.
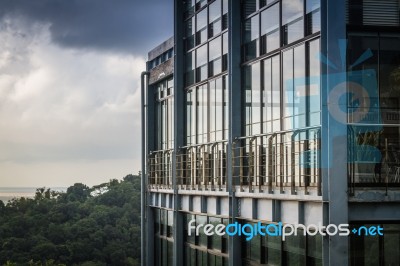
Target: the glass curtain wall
(297, 249)
(280, 92)
(206, 59)
(202, 249)
(374, 116)
(164, 115)
(163, 238)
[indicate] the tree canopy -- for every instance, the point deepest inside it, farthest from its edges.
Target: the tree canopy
(83, 226)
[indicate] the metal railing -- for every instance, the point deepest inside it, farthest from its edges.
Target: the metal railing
(160, 169)
(202, 166)
(278, 160)
(373, 156)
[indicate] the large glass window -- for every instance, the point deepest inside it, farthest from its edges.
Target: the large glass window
(313, 14)
(201, 63)
(292, 20)
(251, 38)
(216, 109)
(270, 34)
(201, 33)
(164, 115)
(287, 82)
(299, 87)
(190, 60)
(207, 120)
(314, 90)
(252, 99)
(294, 87)
(294, 249)
(373, 143)
(215, 56)
(201, 111)
(250, 6)
(376, 249)
(272, 95)
(214, 17)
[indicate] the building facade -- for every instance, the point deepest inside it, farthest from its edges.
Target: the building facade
(274, 112)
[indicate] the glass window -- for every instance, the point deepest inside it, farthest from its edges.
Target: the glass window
(271, 95)
(299, 87)
(214, 10)
(376, 250)
(212, 109)
(225, 106)
(251, 38)
(190, 68)
(273, 253)
(250, 6)
(189, 8)
(294, 31)
(215, 21)
(270, 29)
(190, 33)
(364, 72)
(267, 96)
(314, 82)
(201, 63)
(202, 122)
(252, 95)
(201, 33)
(294, 249)
(276, 93)
(215, 239)
(391, 244)
(291, 10)
(219, 111)
(224, 51)
(314, 249)
(389, 78)
(202, 237)
(287, 91)
(191, 117)
(313, 16)
(200, 4)
(292, 20)
(215, 56)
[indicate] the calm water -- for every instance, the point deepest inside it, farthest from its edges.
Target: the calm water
(7, 193)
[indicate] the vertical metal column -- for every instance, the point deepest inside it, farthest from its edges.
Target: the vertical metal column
(179, 107)
(235, 118)
(334, 133)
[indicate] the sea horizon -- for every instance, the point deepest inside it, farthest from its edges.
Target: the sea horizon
(8, 193)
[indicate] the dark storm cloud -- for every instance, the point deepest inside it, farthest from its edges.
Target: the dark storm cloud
(132, 26)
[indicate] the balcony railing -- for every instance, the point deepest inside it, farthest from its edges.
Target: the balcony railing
(278, 160)
(373, 156)
(160, 169)
(270, 161)
(202, 166)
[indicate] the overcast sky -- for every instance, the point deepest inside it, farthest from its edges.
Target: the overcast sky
(70, 87)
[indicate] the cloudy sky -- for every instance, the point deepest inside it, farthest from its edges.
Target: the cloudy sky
(70, 87)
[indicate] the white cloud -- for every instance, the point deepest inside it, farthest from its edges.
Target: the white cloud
(59, 106)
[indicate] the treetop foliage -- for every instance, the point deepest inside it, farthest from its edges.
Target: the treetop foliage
(82, 226)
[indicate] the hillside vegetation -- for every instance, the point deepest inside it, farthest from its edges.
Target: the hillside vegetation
(83, 226)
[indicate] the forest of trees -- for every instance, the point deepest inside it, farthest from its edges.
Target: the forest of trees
(83, 226)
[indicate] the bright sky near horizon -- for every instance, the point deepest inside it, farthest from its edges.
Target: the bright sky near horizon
(70, 87)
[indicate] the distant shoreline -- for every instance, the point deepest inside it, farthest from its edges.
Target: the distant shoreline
(8, 193)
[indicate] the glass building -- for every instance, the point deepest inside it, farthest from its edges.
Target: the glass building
(268, 112)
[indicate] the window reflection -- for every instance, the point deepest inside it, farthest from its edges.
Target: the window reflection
(292, 20)
(251, 35)
(313, 16)
(270, 29)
